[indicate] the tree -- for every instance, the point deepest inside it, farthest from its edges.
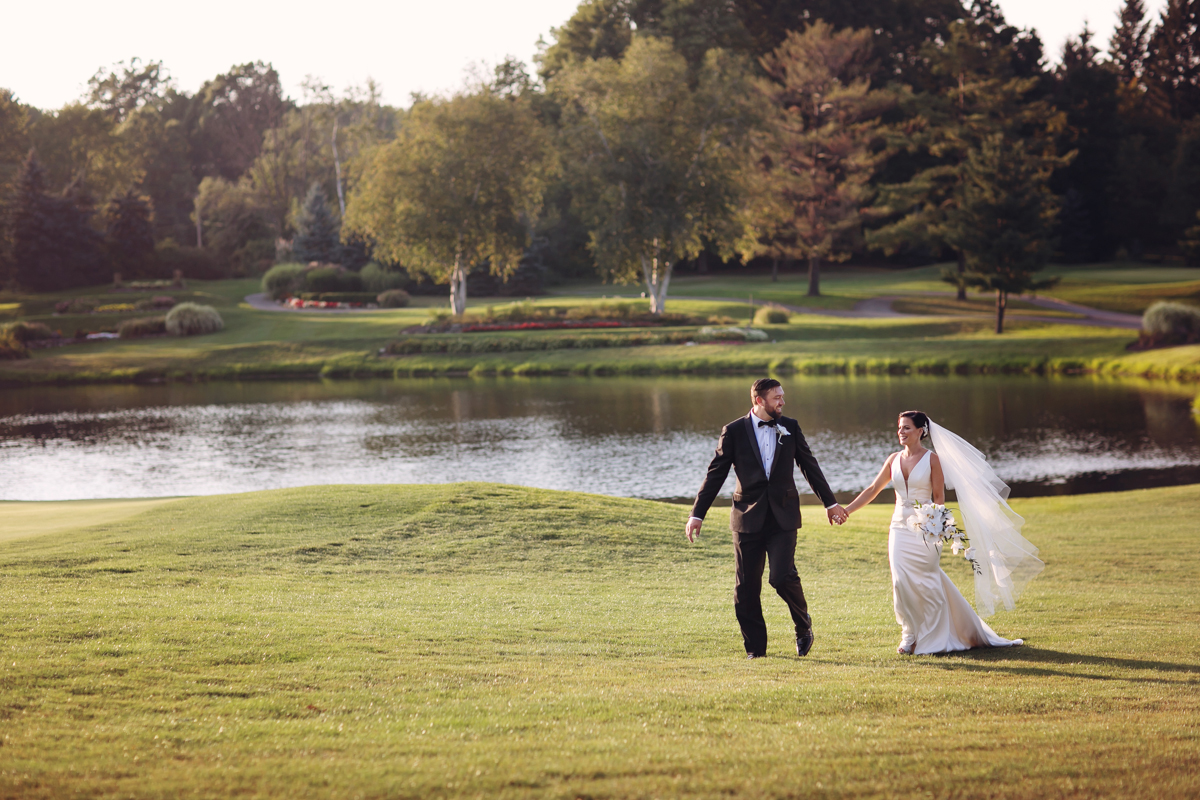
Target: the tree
(317, 230)
(824, 147)
(1173, 58)
(459, 187)
(1004, 221)
(1128, 46)
(129, 233)
(654, 161)
(53, 245)
(1086, 91)
(230, 114)
(230, 223)
(984, 84)
(127, 87)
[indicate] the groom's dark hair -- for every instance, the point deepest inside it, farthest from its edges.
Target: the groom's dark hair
(762, 386)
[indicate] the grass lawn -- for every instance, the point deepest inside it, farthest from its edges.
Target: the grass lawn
(479, 640)
(261, 344)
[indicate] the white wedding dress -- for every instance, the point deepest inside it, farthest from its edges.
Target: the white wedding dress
(933, 615)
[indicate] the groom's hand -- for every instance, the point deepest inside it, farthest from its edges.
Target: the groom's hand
(836, 514)
(692, 531)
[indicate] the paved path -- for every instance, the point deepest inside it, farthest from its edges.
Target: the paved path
(871, 308)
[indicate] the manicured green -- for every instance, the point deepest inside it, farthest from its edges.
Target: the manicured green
(269, 344)
(479, 640)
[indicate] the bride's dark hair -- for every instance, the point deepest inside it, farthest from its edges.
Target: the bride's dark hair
(919, 419)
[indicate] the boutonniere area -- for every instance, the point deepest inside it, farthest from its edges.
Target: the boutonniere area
(781, 432)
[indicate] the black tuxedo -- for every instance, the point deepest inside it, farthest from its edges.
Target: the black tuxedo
(764, 519)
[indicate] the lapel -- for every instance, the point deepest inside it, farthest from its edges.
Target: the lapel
(779, 446)
(753, 434)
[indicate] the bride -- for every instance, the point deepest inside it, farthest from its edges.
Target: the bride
(934, 617)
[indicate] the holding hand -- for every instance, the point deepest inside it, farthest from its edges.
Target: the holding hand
(837, 514)
(692, 531)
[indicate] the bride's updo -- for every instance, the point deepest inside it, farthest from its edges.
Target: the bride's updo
(920, 420)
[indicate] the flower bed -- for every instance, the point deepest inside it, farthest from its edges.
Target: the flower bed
(296, 302)
(539, 326)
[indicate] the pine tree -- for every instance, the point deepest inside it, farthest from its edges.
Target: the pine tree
(1129, 42)
(53, 245)
(317, 234)
(129, 233)
(1004, 219)
(1173, 60)
(823, 149)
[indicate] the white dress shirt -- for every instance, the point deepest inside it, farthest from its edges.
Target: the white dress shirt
(768, 440)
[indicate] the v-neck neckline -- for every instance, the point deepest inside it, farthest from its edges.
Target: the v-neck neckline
(910, 472)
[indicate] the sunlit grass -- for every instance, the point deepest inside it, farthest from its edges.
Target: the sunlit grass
(474, 640)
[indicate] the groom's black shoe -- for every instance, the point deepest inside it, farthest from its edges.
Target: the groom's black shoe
(804, 643)
(755, 655)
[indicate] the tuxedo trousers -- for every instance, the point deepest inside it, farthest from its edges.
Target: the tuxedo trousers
(752, 551)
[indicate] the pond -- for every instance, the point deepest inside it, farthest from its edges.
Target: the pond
(638, 437)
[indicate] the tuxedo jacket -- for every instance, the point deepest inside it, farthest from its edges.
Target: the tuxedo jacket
(755, 492)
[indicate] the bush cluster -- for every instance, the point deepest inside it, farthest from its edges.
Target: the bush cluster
(11, 348)
(191, 319)
(146, 326)
(393, 298)
(730, 334)
(1171, 323)
(415, 345)
(25, 332)
(378, 279)
(287, 280)
(76, 305)
(338, 297)
(772, 314)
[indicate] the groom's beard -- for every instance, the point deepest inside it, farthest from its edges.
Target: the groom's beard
(776, 414)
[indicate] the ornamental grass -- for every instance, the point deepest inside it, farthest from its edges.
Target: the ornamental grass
(193, 319)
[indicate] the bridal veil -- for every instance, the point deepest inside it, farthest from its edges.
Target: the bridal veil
(1008, 561)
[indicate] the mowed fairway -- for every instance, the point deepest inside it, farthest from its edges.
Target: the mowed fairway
(480, 640)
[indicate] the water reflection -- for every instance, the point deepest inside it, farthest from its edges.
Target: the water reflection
(647, 437)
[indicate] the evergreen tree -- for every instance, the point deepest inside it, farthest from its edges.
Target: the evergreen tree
(317, 231)
(824, 147)
(53, 245)
(1173, 61)
(129, 234)
(1087, 92)
(1128, 45)
(1004, 219)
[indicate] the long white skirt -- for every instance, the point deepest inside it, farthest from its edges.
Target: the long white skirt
(931, 611)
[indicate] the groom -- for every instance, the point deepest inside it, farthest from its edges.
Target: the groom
(761, 447)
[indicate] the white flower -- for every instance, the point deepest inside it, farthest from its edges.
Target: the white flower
(969, 555)
(956, 547)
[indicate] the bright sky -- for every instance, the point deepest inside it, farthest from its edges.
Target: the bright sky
(51, 49)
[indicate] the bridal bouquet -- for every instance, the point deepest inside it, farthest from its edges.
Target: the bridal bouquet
(936, 524)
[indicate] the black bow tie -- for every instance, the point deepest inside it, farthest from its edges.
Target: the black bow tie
(768, 423)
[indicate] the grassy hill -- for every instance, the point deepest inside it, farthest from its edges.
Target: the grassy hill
(482, 640)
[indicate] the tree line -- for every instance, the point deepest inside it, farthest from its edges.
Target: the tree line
(650, 134)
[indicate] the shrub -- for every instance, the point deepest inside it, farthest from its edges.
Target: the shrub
(393, 298)
(193, 262)
(1172, 322)
(11, 348)
(730, 334)
(332, 279)
(77, 305)
(190, 319)
(772, 314)
(377, 279)
(146, 326)
(282, 280)
(29, 331)
(151, 303)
